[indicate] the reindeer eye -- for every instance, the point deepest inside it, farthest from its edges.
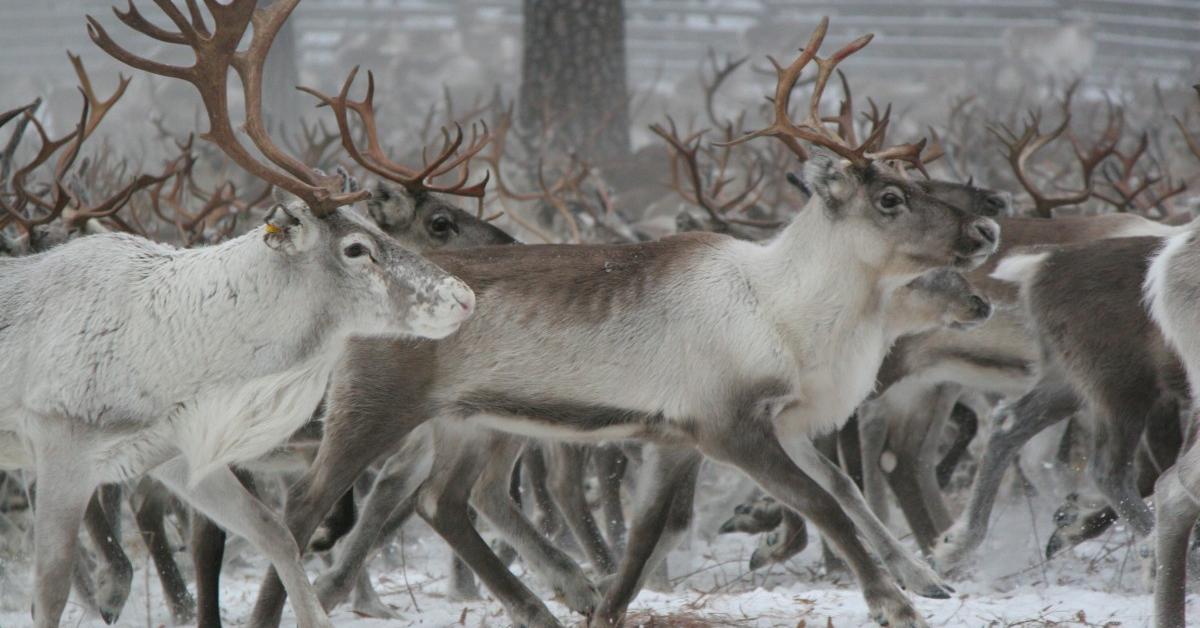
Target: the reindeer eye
(441, 225)
(355, 250)
(890, 200)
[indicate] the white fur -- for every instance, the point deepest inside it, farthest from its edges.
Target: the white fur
(1019, 268)
(217, 353)
(1166, 307)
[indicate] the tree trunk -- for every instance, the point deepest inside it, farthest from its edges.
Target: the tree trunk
(280, 78)
(573, 76)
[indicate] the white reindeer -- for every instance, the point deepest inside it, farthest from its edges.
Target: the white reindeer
(123, 356)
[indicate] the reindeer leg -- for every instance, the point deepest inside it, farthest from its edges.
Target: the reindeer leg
(968, 426)
(149, 516)
(208, 555)
(64, 488)
(567, 463)
(552, 565)
(112, 587)
(442, 501)
(222, 498)
(872, 436)
(610, 465)
(914, 439)
(1177, 508)
(533, 467)
(369, 415)
(913, 574)
(753, 447)
(666, 473)
(336, 525)
(1049, 402)
(393, 489)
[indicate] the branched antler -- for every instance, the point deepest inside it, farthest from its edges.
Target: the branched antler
(721, 71)
(685, 164)
(812, 128)
(1022, 148)
(216, 52)
(375, 159)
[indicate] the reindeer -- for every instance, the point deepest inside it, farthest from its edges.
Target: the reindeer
(753, 330)
(935, 369)
(179, 365)
(419, 220)
(562, 478)
(45, 219)
(1170, 284)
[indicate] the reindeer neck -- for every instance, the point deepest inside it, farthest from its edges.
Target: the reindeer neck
(273, 297)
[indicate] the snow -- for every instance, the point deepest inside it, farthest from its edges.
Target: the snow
(1099, 583)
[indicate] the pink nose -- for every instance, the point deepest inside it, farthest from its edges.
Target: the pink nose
(466, 301)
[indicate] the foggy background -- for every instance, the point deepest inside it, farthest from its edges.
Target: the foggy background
(950, 67)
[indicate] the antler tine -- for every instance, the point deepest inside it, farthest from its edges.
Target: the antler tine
(14, 140)
(1192, 143)
(59, 200)
(99, 108)
(845, 117)
(216, 52)
(7, 116)
(720, 73)
(375, 159)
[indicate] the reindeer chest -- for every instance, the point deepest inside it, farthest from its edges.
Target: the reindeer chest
(834, 382)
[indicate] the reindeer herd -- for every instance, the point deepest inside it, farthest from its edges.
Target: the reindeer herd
(387, 353)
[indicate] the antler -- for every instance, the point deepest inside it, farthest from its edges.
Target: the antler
(375, 159)
(1192, 143)
(707, 198)
(812, 129)
(720, 73)
(1021, 148)
(62, 200)
(216, 51)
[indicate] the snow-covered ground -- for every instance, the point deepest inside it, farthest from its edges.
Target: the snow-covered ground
(1098, 584)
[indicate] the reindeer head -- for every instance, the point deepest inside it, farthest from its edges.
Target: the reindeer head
(894, 224)
(940, 298)
(391, 289)
(977, 201)
(422, 221)
(388, 288)
(898, 223)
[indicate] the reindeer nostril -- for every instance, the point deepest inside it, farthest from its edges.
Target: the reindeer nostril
(986, 231)
(465, 298)
(982, 306)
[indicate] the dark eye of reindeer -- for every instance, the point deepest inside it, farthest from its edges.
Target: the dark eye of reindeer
(890, 200)
(355, 250)
(441, 225)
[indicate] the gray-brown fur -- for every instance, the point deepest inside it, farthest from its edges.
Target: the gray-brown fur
(1100, 349)
(997, 358)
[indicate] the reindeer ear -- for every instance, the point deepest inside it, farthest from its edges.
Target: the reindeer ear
(390, 207)
(830, 178)
(290, 227)
(349, 183)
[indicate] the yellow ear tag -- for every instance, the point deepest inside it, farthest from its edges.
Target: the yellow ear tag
(272, 229)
